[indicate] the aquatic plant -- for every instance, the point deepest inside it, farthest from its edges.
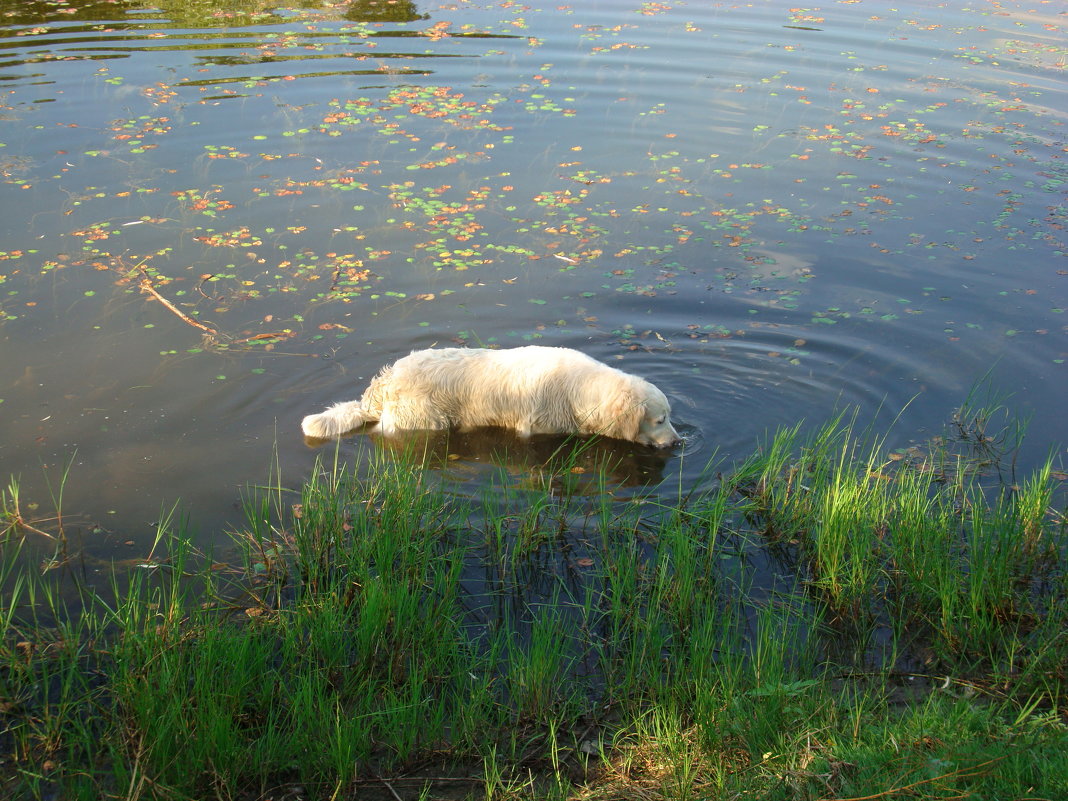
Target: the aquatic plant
(790, 622)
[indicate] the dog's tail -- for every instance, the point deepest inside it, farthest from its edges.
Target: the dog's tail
(335, 421)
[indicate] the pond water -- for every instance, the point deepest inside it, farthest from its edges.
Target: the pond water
(218, 218)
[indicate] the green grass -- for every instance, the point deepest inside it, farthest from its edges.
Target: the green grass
(830, 619)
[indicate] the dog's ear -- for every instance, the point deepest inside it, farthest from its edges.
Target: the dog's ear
(624, 412)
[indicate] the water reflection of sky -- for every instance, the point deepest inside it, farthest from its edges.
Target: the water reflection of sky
(768, 212)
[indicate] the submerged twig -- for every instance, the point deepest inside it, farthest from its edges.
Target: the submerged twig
(146, 286)
(11, 513)
(388, 786)
(18, 522)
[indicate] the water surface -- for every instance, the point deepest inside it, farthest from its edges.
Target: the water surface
(767, 211)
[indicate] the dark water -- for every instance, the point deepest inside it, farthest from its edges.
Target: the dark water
(768, 212)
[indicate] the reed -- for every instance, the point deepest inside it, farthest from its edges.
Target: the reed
(823, 621)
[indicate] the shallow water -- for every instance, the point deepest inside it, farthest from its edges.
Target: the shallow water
(768, 212)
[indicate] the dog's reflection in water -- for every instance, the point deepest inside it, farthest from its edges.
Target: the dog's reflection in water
(470, 454)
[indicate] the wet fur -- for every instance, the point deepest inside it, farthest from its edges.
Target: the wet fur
(531, 390)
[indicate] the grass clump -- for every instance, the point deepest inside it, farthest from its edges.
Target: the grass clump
(832, 619)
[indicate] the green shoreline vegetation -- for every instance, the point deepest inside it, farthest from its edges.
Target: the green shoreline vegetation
(821, 622)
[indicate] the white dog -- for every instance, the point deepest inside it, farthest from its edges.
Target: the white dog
(532, 390)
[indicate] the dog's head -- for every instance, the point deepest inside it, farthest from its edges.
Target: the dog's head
(641, 413)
